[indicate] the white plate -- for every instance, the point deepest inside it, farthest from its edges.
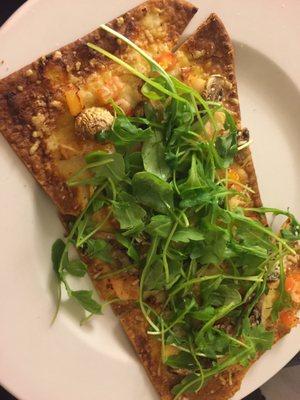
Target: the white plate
(38, 362)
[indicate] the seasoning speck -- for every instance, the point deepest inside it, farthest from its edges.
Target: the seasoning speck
(57, 55)
(29, 73)
(120, 21)
(36, 134)
(34, 147)
(56, 104)
(198, 54)
(77, 65)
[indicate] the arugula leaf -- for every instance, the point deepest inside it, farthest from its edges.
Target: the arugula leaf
(160, 225)
(229, 295)
(290, 234)
(203, 196)
(57, 251)
(195, 176)
(226, 147)
(99, 248)
(153, 192)
(257, 338)
(151, 113)
(182, 360)
(129, 214)
(261, 339)
(175, 271)
(212, 250)
(106, 165)
(212, 343)
(153, 154)
(204, 313)
(153, 93)
(76, 268)
(258, 251)
(96, 205)
(207, 288)
(284, 299)
(131, 250)
(190, 384)
(155, 277)
(124, 132)
(185, 235)
(133, 163)
(84, 298)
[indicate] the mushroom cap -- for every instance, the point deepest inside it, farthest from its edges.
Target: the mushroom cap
(93, 120)
(215, 87)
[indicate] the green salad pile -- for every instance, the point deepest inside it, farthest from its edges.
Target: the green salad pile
(202, 265)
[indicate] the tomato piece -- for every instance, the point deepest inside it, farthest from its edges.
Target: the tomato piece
(110, 90)
(167, 60)
(104, 94)
(288, 318)
(116, 84)
(73, 101)
(289, 283)
(292, 286)
(234, 175)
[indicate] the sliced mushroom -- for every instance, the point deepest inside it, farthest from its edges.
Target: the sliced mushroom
(215, 87)
(93, 120)
(275, 274)
(243, 136)
(255, 317)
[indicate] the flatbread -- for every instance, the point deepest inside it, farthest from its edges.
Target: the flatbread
(35, 120)
(217, 57)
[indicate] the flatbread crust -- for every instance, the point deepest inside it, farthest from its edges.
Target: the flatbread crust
(34, 116)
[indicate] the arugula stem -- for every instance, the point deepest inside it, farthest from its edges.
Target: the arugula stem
(177, 320)
(197, 111)
(76, 223)
(231, 338)
(149, 261)
(114, 273)
(80, 242)
(58, 303)
(163, 345)
(165, 250)
(72, 181)
(113, 189)
(188, 385)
